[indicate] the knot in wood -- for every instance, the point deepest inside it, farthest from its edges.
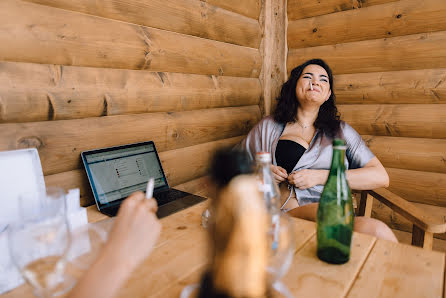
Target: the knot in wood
(29, 142)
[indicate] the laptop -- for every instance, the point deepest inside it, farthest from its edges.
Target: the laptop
(116, 172)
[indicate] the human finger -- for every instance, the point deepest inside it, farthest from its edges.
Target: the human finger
(151, 204)
(278, 172)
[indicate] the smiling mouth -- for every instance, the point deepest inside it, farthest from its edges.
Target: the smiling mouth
(313, 90)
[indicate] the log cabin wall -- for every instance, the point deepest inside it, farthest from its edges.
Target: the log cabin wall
(389, 61)
(85, 74)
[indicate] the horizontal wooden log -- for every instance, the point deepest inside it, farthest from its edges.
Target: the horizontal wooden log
(417, 121)
(38, 92)
(418, 186)
(249, 8)
(61, 142)
(190, 17)
(395, 87)
(380, 21)
(58, 36)
(417, 154)
(300, 9)
(418, 51)
(180, 166)
(396, 221)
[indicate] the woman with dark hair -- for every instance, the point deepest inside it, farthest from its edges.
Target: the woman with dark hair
(299, 136)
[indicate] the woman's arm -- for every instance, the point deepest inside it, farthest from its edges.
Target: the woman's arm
(372, 175)
(132, 238)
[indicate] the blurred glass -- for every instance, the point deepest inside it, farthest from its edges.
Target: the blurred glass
(39, 242)
(282, 247)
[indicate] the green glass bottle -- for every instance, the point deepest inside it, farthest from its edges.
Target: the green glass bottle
(335, 212)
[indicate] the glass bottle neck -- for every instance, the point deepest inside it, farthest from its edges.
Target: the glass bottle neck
(337, 163)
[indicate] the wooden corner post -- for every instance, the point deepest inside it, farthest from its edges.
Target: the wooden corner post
(273, 21)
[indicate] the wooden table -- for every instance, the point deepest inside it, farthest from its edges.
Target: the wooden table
(376, 269)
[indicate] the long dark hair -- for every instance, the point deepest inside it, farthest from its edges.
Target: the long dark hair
(287, 104)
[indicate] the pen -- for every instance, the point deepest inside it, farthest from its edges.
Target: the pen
(149, 189)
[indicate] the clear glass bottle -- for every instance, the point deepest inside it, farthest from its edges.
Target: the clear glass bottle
(335, 213)
(271, 194)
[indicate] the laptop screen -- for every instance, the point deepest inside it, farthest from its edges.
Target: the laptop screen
(114, 173)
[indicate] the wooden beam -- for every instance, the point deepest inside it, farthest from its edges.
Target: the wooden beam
(180, 166)
(393, 87)
(380, 21)
(273, 50)
(61, 142)
(417, 154)
(418, 121)
(421, 238)
(190, 17)
(249, 8)
(38, 92)
(418, 186)
(365, 205)
(389, 54)
(300, 9)
(64, 37)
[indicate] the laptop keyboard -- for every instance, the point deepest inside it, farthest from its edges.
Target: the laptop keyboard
(169, 196)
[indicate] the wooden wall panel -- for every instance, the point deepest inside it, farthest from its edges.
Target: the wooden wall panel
(273, 50)
(416, 51)
(37, 92)
(63, 37)
(180, 165)
(417, 121)
(396, 221)
(417, 154)
(190, 17)
(394, 87)
(60, 142)
(249, 8)
(380, 21)
(418, 186)
(300, 9)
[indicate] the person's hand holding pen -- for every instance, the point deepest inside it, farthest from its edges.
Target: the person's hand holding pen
(132, 238)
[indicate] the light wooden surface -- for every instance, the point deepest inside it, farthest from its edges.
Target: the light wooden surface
(419, 154)
(64, 37)
(418, 186)
(300, 9)
(190, 17)
(388, 54)
(249, 8)
(417, 121)
(60, 142)
(377, 268)
(273, 50)
(38, 92)
(380, 21)
(394, 87)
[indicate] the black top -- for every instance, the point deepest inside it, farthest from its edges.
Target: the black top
(288, 154)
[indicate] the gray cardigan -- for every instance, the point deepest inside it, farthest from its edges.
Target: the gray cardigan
(265, 135)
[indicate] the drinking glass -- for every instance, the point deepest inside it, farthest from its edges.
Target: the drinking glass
(39, 242)
(281, 252)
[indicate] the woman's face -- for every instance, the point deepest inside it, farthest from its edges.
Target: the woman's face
(320, 84)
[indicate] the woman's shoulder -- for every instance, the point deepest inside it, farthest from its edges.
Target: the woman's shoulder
(348, 133)
(269, 121)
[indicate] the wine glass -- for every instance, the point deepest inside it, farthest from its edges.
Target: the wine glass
(281, 252)
(39, 242)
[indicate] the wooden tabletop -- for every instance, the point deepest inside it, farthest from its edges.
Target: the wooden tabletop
(377, 268)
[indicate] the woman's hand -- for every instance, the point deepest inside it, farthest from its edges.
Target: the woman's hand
(135, 231)
(132, 238)
(307, 178)
(279, 174)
